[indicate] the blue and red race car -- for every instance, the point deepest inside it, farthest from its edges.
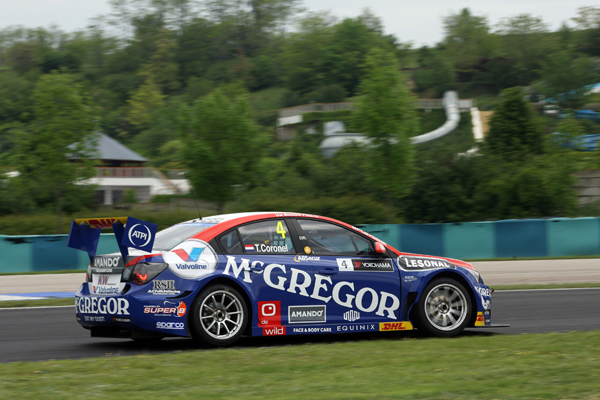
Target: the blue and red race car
(263, 274)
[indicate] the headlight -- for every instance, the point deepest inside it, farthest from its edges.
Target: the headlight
(475, 274)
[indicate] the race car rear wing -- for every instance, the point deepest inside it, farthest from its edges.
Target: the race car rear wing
(129, 232)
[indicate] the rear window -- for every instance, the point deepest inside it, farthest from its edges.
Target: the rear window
(172, 236)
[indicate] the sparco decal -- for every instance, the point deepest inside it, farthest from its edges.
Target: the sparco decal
(102, 305)
(304, 314)
(422, 263)
(169, 325)
(348, 264)
(300, 282)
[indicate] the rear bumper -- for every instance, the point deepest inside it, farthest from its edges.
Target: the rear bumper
(131, 315)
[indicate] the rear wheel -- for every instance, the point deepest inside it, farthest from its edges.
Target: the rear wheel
(444, 308)
(220, 315)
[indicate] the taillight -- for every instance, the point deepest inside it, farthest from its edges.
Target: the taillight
(88, 273)
(143, 273)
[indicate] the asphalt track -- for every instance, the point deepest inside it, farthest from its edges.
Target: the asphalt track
(52, 333)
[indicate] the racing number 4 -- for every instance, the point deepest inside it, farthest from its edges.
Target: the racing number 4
(280, 229)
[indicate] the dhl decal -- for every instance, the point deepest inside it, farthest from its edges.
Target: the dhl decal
(480, 321)
(100, 223)
(395, 326)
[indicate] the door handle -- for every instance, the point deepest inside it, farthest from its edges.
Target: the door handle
(328, 271)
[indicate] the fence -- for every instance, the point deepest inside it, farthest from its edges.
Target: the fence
(556, 237)
(471, 240)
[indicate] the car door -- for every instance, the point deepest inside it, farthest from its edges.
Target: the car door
(358, 286)
(261, 254)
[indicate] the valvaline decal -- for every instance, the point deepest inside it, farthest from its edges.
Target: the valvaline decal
(191, 259)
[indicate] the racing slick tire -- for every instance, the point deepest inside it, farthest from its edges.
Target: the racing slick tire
(219, 315)
(444, 308)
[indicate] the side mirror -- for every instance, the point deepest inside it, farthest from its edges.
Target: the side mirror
(380, 248)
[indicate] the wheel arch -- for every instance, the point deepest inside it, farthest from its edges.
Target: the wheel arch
(457, 277)
(222, 280)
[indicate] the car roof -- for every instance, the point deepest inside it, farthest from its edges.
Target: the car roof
(225, 222)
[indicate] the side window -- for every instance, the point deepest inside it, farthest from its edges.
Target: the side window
(328, 239)
(271, 237)
(230, 242)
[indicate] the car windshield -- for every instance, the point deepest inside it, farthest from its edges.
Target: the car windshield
(172, 236)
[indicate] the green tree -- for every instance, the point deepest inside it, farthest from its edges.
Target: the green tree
(62, 130)
(386, 114)
(565, 76)
(222, 144)
(467, 40)
(524, 39)
(144, 103)
(514, 133)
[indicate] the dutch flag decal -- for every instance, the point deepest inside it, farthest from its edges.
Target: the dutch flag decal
(249, 247)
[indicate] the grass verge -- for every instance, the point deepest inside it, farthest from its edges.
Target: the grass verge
(63, 301)
(470, 367)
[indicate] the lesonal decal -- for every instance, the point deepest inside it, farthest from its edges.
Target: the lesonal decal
(356, 328)
(301, 258)
(304, 314)
(167, 310)
(191, 259)
(106, 262)
(351, 316)
(421, 263)
(102, 305)
(269, 313)
(169, 325)
(395, 326)
(322, 289)
(274, 331)
(372, 265)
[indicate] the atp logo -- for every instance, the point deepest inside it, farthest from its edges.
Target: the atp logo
(192, 257)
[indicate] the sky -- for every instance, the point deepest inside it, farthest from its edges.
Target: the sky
(416, 21)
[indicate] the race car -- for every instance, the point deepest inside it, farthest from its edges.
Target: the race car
(215, 279)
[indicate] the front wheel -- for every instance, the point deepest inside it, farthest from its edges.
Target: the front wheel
(220, 315)
(444, 308)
